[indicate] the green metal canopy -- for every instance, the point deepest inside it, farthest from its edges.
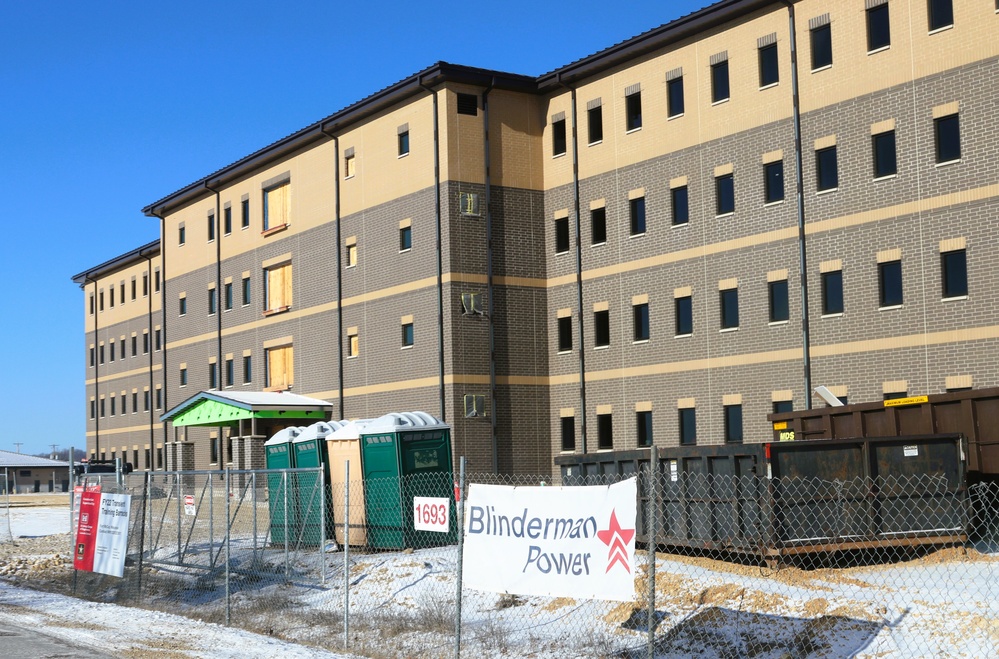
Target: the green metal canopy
(212, 408)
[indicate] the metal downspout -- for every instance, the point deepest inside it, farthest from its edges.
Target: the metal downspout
(218, 308)
(800, 192)
(149, 346)
(440, 265)
(97, 376)
(163, 337)
(489, 277)
(579, 266)
(339, 267)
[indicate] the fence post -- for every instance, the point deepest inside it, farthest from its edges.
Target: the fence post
(322, 526)
(211, 523)
(228, 526)
(284, 479)
(460, 515)
(142, 532)
(650, 552)
(177, 481)
(346, 554)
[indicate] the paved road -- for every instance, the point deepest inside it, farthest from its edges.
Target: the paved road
(20, 643)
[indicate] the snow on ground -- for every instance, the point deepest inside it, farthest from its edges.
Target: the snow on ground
(943, 604)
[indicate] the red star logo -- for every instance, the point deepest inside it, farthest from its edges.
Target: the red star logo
(617, 539)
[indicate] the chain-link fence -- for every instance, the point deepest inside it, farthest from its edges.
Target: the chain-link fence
(744, 567)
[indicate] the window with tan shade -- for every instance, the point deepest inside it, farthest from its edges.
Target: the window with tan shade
(276, 206)
(277, 291)
(280, 368)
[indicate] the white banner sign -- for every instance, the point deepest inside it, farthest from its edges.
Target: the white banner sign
(557, 541)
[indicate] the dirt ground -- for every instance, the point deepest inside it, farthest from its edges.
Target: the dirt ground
(47, 499)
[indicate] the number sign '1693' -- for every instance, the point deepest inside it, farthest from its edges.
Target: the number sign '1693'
(431, 514)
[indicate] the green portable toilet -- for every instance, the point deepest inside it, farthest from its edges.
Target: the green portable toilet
(309, 449)
(406, 455)
(278, 454)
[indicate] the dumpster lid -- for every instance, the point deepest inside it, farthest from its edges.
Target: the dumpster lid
(284, 436)
(320, 430)
(394, 421)
(350, 430)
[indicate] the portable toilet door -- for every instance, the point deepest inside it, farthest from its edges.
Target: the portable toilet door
(342, 446)
(278, 455)
(310, 492)
(405, 455)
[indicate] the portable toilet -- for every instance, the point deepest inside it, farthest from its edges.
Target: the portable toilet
(309, 449)
(406, 455)
(278, 454)
(343, 445)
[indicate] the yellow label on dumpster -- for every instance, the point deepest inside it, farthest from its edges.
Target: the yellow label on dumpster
(780, 425)
(911, 400)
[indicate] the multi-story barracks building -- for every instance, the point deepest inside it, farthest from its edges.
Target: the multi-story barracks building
(657, 244)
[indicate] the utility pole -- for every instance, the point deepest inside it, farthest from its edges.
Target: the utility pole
(18, 445)
(54, 447)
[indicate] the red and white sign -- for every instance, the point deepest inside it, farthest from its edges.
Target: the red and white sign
(77, 494)
(189, 508)
(556, 541)
(102, 533)
(431, 514)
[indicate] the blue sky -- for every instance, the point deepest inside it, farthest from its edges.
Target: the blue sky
(108, 106)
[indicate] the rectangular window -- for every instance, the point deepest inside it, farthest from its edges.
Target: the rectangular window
(135, 345)
(349, 166)
(353, 345)
(680, 205)
(636, 210)
(181, 235)
(351, 255)
(156, 280)
(92, 304)
(145, 342)
(954, 272)
(688, 426)
(159, 398)
(832, 292)
(124, 404)
(883, 144)
(247, 369)
(228, 296)
(133, 288)
(595, 124)
(212, 301)
(103, 410)
(821, 46)
(684, 310)
(403, 143)
(769, 71)
(895, 395)
(568, 433)
(227, 220)
(112, 405)
(947, 131)
(158, 343)
(640, 315)
(729, 308)
(279, 368)
(93, 357)
(405, 239)
(230, 373)
(719, 82)
(773, 182)
(211, 227)
(565, 334)
(182, 306)
(121, 289)
(783, 406)
(213, 443)
(558, 138)
(246, 291)
(407, 335)
(135, 402)
(601, 328)
(890, 283)
(826, 169)
(124, 351)
(643, 424)
(598, 226)
(145, 400)
(724, 194)
(276, 206)
(244, 207)
(467, 104)
(605, 432)
(100, 351)
(111, 296)
(93, 408)
(101, 306)
(145, 284)
(733, 424)
(277, 288)
(633, 111)
(878, 27)
(183, 376)
(561, 235)
(674, 97)
(111, 348)
(779, 307)
(941, 14)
